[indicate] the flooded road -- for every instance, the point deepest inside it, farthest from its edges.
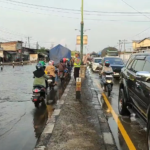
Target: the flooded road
(20, 122)
(135, 127)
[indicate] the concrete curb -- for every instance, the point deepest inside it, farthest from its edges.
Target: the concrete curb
(104, 126)
(47, 132)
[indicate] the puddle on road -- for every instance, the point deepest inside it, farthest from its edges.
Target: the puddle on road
(133, 129)
(18, 116)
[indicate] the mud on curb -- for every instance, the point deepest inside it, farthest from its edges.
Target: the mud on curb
(47, 133)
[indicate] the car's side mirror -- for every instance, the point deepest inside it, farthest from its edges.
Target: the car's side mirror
(143, 76)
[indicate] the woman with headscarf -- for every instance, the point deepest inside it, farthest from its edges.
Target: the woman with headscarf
(50, 70)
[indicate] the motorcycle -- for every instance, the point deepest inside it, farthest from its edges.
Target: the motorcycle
(39, 94)
(51, 82)
(63, 75)
(107, 82)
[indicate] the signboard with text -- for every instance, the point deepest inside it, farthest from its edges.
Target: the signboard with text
(85, 40)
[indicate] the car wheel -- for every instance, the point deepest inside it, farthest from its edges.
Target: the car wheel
(122, 106)
(148, 135)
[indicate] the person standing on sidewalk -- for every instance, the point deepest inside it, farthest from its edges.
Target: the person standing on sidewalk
(77, 63)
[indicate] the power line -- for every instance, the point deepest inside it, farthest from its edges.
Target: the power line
(79, 18)
(66, 9)
(99, 14)
(135, 9)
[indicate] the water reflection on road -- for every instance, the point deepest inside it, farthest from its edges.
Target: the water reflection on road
(20, 122)
(134, 128)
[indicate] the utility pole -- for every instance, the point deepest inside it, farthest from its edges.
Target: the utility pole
(119, 48)
(82, 28)
(52, 45)
(124, 50)
(37, 45)
(29, 41)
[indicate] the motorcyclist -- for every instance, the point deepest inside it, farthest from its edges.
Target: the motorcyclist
(43, 64)
(106, 68)
(56, 72)
(66, 69)
(61, 66)
(68, 63)
(40, 76)
(50, 69)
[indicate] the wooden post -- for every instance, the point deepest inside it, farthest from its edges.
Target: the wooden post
(78, 88)
(82, 71)
(1, 66)
(13, 64)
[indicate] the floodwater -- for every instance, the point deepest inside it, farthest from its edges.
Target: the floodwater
(20, 122)
(135, 127)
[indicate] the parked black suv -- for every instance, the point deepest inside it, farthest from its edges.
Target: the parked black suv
(134, 89)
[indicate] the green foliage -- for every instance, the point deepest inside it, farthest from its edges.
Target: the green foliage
(41, 50)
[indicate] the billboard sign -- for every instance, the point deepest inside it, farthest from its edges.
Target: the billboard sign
(85, 40)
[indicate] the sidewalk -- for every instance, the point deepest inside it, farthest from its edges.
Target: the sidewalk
(81, 125)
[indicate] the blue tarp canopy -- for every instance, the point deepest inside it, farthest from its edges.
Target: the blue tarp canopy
(59, 52)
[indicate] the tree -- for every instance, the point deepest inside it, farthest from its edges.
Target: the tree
(42, 50)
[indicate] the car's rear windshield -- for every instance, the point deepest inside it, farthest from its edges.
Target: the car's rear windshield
(97, 60)
(115, 61)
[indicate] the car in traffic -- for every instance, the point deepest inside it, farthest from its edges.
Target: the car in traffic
(96, 64)
(134, 89)
(115, 62)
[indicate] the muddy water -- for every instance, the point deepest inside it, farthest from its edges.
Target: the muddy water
(133, 126)
(20, 122)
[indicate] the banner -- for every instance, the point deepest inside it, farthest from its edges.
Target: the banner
(85, 40)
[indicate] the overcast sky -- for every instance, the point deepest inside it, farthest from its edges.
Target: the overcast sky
(47, 25)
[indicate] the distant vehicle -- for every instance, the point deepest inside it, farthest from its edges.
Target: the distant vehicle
(134, 89)
(116, 63)
(96, 64)
(112, 53)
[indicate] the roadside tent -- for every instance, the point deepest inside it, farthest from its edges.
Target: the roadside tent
(59, 52)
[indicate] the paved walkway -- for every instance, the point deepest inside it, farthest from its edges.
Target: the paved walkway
(81, 125)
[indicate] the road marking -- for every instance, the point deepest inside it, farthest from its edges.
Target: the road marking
(120, 126)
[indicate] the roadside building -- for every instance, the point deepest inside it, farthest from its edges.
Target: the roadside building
(1, 55)
(26, 52)
(12, 51)
(141, 45)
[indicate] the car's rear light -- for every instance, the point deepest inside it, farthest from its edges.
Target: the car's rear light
(36, 90)
(35, 100)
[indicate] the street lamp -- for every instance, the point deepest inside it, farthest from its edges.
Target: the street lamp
(84, 30)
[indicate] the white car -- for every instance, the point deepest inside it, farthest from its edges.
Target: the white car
(96, 64)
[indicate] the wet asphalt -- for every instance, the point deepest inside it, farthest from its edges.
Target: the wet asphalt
(20, 122)
(134, 126)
